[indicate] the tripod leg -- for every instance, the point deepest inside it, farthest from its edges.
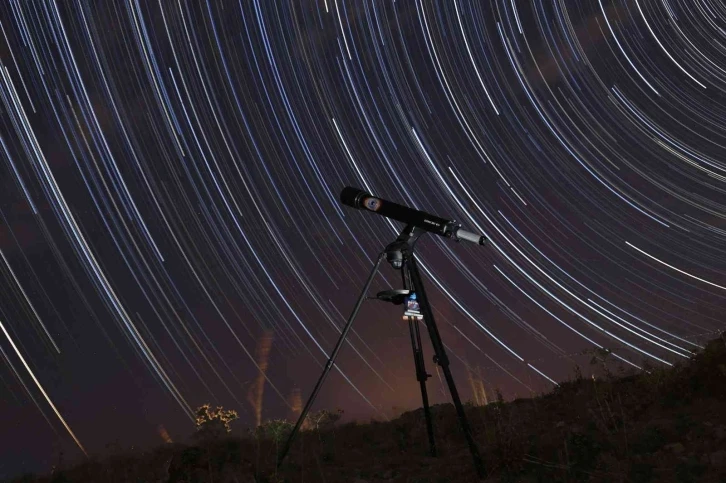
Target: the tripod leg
(443, 361)
(421, 376)
(418, 360)
(331, 361)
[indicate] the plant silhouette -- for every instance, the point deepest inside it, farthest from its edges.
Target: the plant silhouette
(212, 424)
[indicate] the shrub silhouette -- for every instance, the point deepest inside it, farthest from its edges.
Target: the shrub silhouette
(212, 424)
(324, 419)
(274, 429)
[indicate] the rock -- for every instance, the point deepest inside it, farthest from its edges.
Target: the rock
(360, 480)
(560, 424)
(676, 448)
(718, 458)
(720, 432)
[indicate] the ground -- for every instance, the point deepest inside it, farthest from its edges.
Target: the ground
(663, 425)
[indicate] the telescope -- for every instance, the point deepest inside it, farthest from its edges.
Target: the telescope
(400, 254)
(359, 199)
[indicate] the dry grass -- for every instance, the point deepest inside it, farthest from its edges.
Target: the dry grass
(664, 426)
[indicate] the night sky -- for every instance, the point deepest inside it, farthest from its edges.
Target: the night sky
(170, 225)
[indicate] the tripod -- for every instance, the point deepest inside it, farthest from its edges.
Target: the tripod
(400, 255)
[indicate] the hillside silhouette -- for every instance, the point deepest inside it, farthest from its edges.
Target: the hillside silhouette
(660, 425)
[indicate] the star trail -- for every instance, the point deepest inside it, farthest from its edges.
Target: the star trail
(171, 235)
